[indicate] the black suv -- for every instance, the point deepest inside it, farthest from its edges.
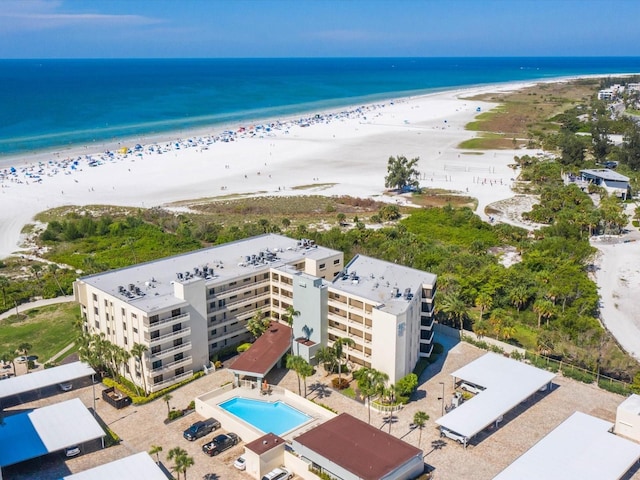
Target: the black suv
(220, 443)
(200, 429)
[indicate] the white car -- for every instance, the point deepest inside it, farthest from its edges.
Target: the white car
(65, 387)
(240, 463)
(72, 451)
(278, 474)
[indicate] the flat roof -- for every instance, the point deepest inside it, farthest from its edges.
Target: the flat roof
(631, 404)
(44, 378)
(34, 433)
(507, 383)
(606, 174)
(354, 445)
(265, 443)
(580, 447)
(264, 352)
(376, 280)
(152, 282)
(134, 467)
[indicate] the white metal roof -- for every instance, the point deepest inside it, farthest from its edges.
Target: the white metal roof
(44, 430)
(134, 467)
(580, 447)
(605, 174)
(44, 378)
(507, 382)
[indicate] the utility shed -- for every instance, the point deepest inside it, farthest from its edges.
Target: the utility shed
(580, 447)
(611, 181)
(347, 448)
(133, 467)
(628, 418)
(506, 383)
(264, 454)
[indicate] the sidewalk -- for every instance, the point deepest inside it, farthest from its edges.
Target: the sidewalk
(38, 303)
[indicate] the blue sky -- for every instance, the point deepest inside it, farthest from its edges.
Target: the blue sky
(317, 28)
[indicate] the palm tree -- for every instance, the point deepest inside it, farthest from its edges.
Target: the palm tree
(420, 419)
(519, 296)
(340, 354)
(258, 324)
(167, 398)
(326, 356)
(138, 351)
(176, 453)
(305, 370)
(288, 317)
(155, 450)
(6, 357)
(484, 301)
(183, 462)
(293, 363)
(453, 307)
(370, 381)
(544, 308)
(53, 268)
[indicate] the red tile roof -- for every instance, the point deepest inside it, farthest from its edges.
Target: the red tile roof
(356, 446)
(265, 443)
(265, 352)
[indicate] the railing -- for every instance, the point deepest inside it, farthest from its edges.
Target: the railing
(169, 351)
(386, 408)
(249, 298)
(174, 364)
(178, 378)
(226, 293)
(167, 336)
(165, 321)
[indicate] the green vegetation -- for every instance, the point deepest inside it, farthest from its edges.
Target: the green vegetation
(402, 173)
(47, 329)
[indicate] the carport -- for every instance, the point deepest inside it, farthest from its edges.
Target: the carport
(139, 465)
(34, 433)
(506, 383)
(580, 447)
(44, 378)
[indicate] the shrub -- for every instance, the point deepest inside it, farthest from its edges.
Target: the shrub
(326, 407)
(340, 383)
(243, 347)
(173, 414)
(137, 399)
(576, 374)
(192, 405)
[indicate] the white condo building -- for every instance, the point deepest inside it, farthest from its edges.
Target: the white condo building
(188, 307)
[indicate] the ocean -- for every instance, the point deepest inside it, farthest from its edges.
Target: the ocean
(54, 104)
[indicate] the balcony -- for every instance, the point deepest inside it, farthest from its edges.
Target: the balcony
(178, 378)
(166, 322)
(425, 350)
(242, 288)
(171, 351)
(248, 299)
(173, 365)
(426, 336)
(426, 323)
(167, 336)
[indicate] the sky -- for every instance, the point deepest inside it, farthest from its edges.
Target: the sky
(317, 28)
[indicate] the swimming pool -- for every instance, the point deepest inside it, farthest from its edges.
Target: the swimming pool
(268, 417)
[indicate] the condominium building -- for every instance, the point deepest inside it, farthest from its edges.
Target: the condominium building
(187, 307)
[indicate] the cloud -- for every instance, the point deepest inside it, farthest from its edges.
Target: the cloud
(44, 15)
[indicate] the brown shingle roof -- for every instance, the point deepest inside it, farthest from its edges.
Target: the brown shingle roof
(264, 443)
(356, 446)
(265, 352)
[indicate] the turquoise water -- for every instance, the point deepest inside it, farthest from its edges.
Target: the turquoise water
(268, 417)
(48, 104)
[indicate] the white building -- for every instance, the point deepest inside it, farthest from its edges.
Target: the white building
(188, 307)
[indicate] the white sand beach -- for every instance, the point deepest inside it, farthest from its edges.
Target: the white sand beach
(342, 152)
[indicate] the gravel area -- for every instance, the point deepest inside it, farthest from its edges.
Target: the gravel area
(142, 426)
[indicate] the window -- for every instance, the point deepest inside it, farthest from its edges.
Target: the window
(133, 315)
(95, 297)
(107, 317)
(155, 334)
(135, 330)
(95, 310)
(177, 327)
(214, 331)
(97, 324)
(245, 280)
(108, 331)
(157, 379)
(212, 291)
(153, 319)
(179, 371)
(178, 356)
(322, 266)
(126, 341)
(231, 284)
(175, 312)
(336, 261)
(177, 342)
(106, 304)
(221, 303)
(156, 364)
(155, 349)
(123, 312)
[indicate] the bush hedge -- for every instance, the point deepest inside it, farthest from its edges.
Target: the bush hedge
(140, 400)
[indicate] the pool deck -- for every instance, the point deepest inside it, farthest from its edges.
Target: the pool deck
(208, 406)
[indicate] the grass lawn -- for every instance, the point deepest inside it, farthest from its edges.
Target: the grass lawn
(48, 329)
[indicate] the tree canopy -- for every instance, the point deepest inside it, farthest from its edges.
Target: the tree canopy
(402, 173)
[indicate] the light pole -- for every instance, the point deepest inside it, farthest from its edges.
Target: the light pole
(442, 399)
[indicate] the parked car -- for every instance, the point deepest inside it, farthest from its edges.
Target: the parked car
(220, 443)
(278, 474)
(72, 451)
(471, 388)
(240, 463)
(445, 432)
(200, 429)
(21, 359)
(65, 386)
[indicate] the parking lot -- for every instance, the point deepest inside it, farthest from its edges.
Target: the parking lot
(140, 427)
